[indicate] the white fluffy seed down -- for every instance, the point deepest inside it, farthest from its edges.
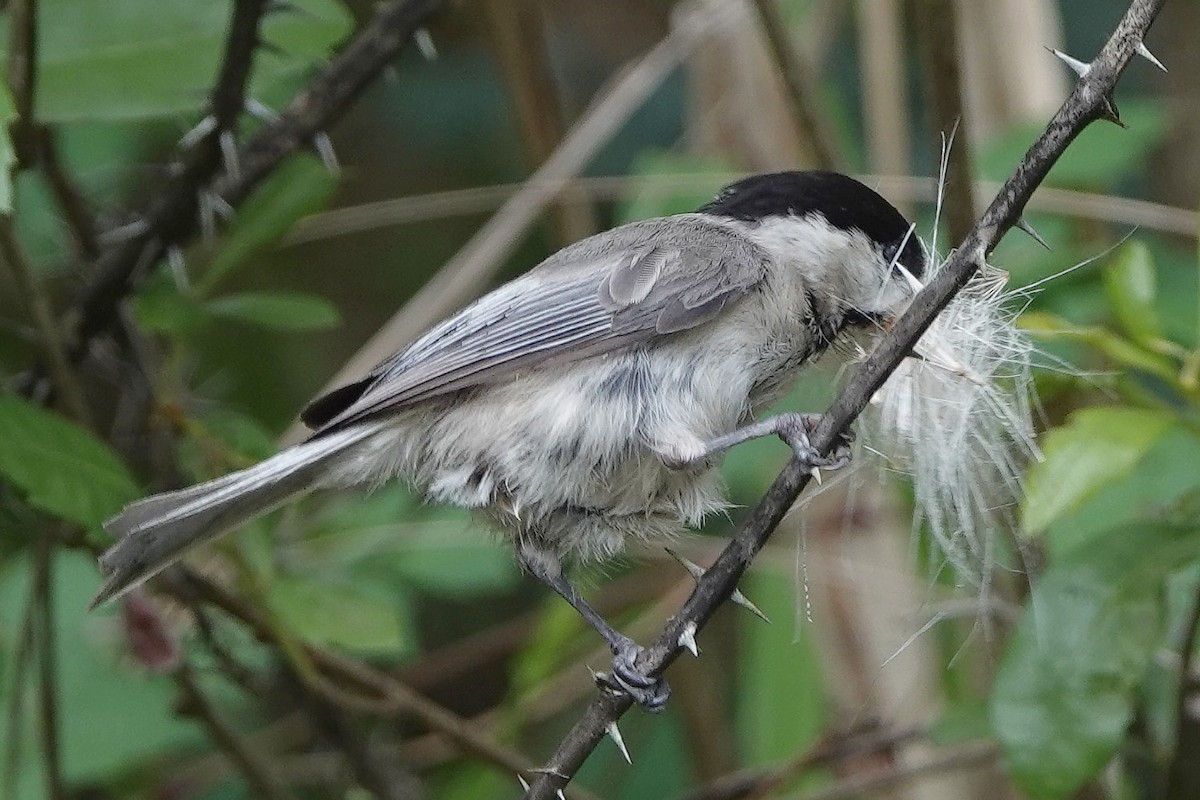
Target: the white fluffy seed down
(959, 421)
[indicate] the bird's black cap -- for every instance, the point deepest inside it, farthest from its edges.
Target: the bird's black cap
(842, 201)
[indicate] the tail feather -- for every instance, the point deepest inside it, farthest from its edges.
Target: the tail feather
(154, 532)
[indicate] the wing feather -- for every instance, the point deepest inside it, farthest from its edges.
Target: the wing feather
(626, 286)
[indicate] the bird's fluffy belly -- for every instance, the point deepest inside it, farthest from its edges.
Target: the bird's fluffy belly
(569, 463)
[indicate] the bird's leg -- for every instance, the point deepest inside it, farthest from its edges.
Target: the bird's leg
(647, 691)
(793, 428)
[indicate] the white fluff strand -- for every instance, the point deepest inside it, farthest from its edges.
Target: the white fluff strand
(958, 419)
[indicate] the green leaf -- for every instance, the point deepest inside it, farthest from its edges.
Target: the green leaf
(778, 668)
(281, 310)
(1129, 280)
(448, 559)
(128, 59)
(61, 468)
(386, 538)
(338, 615)
(1096, 447)
(1102, 156)
(161, 308)
(299, 187)
(1122, 351)
(242, 432)
(98, 690)
(309, 29)
(1166, 490)
(1063, 697)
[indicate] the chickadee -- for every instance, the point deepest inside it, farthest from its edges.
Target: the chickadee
(585, 403)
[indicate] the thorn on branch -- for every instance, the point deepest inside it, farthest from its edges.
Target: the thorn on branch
(198, 132)
(324, 147)
(229, 153)
(687, 639)
(1145, 53)
(1023, 224)
(424, 43)
(122, 233)
(261, 111)
(178, 267)
(737, 598)
(1080, 68)
(614, 733)
(1111, 114)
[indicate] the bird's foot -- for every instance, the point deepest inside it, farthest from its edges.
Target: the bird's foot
(648, 691)
(795, 430)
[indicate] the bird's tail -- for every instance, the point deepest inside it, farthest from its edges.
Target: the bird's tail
(154, 532)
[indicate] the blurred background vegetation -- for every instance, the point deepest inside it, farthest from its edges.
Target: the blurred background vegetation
(360, 646)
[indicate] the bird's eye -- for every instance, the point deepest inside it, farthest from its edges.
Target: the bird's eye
(890, 251)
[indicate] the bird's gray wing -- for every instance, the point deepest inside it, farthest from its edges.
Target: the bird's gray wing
(627, 286)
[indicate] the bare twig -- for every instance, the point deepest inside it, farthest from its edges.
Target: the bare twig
(71, 201)
(33, 141)
(373, 691)
(385, 779)
(173, 219)
(516, 32)
(480, 199)
(327, 96)
(22, 74)
(937, 26)
(35, 299)
(20, 659)
(254, 767)
(469, 271)
(801, 87)
(1090, 100)
(828, 750)
(885, 91)
(964, 756)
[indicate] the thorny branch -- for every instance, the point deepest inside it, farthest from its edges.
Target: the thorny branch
(172, 218)
(1090, 100)
(370, 690)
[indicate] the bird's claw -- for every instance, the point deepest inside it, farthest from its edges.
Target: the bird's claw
(648, 691)
(795, 430)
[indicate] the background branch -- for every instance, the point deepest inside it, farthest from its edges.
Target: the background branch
(256, 769)
(1091, 99)
(172, 218)
(937, 26)
(800, 86)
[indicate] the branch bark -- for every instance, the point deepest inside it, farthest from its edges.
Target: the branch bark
(172, 217)
(1090, 100)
